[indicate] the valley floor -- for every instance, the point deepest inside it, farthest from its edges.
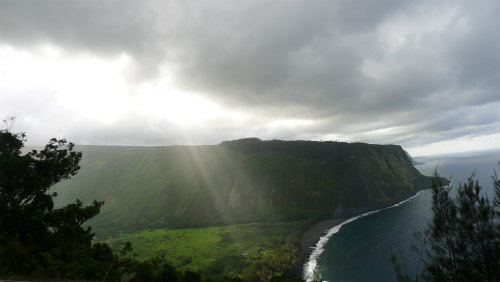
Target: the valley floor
(222, 250)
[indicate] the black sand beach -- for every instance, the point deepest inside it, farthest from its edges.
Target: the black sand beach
(312, 235)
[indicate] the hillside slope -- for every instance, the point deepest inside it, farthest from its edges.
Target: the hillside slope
(241, 181)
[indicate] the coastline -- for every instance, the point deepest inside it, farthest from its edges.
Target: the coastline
(311, 237)
(316, 231)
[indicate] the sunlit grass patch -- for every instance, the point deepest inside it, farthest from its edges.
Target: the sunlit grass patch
(201, 248)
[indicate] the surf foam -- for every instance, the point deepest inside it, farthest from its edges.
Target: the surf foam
(310, 271)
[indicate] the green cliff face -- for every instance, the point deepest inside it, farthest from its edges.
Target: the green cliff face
(239, 181)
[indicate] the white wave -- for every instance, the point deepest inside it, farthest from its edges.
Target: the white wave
(310, 266)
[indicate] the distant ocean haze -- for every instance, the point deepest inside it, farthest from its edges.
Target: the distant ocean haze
(360, 251)
(458, 167)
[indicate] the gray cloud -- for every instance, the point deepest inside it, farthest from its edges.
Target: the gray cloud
(353, 67)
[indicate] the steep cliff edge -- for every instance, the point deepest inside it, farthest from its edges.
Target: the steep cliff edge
(240, 181)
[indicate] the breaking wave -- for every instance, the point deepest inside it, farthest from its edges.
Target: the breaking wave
(310, 267)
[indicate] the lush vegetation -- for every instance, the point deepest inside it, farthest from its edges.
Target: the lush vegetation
(237, 182)
(35, 238)
(235, 251)
(38, 240)
(235, 211)
(464, 236)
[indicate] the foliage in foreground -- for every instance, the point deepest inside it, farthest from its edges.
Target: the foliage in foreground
(37, 240)
(464, 236)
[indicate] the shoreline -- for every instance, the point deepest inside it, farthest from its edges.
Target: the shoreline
(311, 237)
(317, 230)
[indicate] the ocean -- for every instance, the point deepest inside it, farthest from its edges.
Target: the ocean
(360, 250)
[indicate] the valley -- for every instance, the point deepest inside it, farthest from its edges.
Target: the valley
(246, 202)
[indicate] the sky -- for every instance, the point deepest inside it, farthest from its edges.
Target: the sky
(423, 74)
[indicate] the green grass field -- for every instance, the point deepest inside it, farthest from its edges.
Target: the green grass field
(199, 249)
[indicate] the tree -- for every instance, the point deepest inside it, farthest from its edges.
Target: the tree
(35, 238)
(464, 235)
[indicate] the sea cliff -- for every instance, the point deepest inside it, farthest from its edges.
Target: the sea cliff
(253, 199)
(240, 181)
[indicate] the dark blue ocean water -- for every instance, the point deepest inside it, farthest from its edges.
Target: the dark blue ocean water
(360, 251)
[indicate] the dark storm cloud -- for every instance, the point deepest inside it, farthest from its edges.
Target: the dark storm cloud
(353, 67)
